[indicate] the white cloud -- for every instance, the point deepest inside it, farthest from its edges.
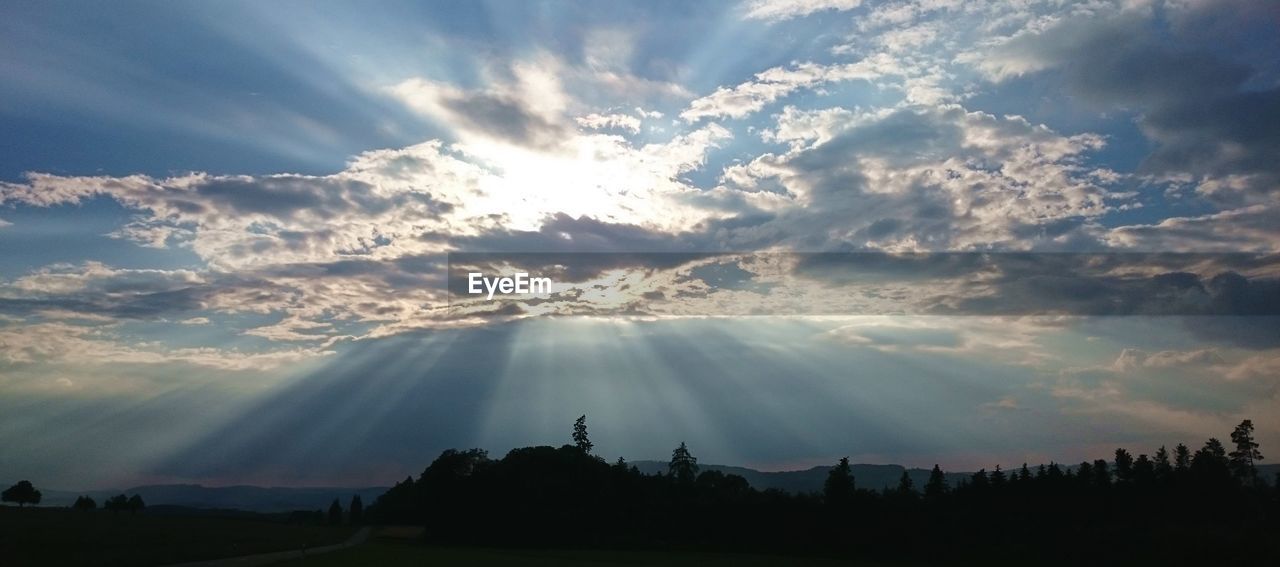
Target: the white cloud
(920, 179)
(61, 343)
(778, 10)
(772, 84)
(1131, 359)
(605, 121)
(1248, 229)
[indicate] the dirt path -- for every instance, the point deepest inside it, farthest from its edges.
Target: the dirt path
(266, 558)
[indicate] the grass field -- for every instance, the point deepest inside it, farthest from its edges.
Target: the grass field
(401, 553)
(63, 537)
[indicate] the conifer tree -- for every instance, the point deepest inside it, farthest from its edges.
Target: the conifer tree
(1084, 474)
(1181, 458)
(1101, 473)
(839, 486)
(937, 485)
(1124, 466)
(997, 477)
(1163, 467)
(1024, 473)
(1246, 453)
(683, 466)
(355, 513)
(335, 513)
(580, 439)
(905, 486)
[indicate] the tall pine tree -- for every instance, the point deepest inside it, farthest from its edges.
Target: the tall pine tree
(683, 466)
(580, 439)
(1246, 454)
(839, 487)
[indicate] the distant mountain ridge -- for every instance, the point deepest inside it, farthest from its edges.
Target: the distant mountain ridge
(248, 498)
(874, 477)
(811, 479)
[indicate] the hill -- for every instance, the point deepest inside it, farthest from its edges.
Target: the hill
(866, 476)
(248, 498)
(810, 480)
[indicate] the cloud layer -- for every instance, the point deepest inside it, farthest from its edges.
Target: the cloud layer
(714, 153)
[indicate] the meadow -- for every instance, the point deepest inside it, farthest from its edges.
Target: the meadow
(387, 553)
(65, 537)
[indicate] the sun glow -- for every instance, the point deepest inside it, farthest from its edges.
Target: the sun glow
(595, 175)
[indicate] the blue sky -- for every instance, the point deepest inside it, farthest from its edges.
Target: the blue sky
(224, 230)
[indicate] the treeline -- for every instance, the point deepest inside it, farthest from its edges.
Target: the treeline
(1174, 506)
(132, 504)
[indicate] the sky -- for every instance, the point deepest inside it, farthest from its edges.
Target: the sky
(967, 233)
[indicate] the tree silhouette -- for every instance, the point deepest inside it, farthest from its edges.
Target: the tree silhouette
(135, 503)
(355, 514)
(541, 496)
(1124, 466)
(905, 486)
(683, 466)
(117, 503)
(1101, 473)
(580, 439)
(978, 480)
(22, 493)
(1054, 472)
(335, 513)
(937, 484)
(1210, 468)
(1163, 467)
(1144, 471)
(1085, 474)
(996, 477)
(1181, 458)
(1246, 454)
(84, 503)
(839, 486)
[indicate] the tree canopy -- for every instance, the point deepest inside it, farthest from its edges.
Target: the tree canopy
(22, 493)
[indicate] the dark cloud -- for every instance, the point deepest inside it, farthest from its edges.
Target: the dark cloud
(288, 196)
(506, 118)
(564, 233)
(1195, 101)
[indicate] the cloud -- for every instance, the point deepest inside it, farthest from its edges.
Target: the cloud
(243, 220)
(772, 84)
(1203, 381)
(779, 10)
(1131, 359)
(531, 160)
(1196, 105)
(62, 343)
(1247, 229)
(917, 179)
(605, 121)
(510, 115)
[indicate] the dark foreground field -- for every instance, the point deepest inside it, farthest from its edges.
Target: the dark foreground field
(403, 553)
(59, 536)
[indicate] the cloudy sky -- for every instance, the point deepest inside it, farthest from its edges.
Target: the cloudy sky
(225, 232)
